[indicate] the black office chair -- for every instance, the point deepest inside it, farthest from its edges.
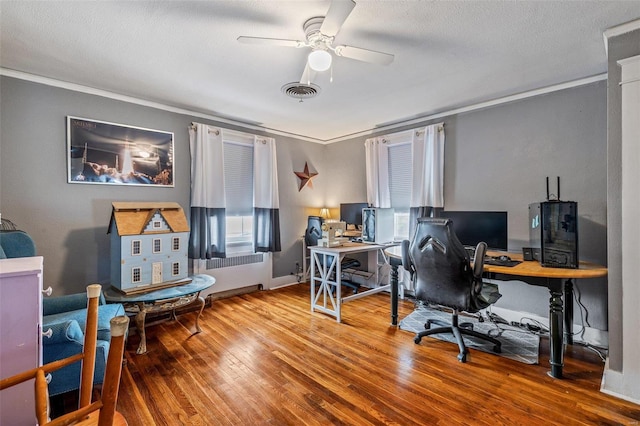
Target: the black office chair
(443, 276)
(311, 237)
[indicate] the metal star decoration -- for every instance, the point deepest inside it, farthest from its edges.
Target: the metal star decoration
(305, 177)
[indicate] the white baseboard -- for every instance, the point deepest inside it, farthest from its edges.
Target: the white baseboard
(621, 385)
(281, 282)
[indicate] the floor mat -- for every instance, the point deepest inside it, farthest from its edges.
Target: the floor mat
(517, 344)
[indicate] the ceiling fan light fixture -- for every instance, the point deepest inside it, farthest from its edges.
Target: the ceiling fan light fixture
(319, 60)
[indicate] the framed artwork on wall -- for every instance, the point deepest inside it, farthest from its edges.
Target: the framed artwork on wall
(99, 152)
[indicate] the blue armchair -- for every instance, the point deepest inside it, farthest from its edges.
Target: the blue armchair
(65, 316)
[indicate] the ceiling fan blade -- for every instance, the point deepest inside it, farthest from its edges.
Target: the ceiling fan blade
(307, 75)
(272, 41)
(338, 12)
(364, 55)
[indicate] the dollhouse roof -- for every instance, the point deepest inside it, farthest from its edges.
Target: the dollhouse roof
(132, 218)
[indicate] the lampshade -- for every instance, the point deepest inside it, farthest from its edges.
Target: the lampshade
(324, 213)
(319, 60)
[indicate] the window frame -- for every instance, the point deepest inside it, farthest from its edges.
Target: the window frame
(135, 243)
(136, 270)
(157, 242)
(401, 216)
(243, 243)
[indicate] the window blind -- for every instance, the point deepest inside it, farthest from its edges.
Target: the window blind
(238, 177)
(400, 176)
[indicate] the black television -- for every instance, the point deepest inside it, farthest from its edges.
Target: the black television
(471, 227)
(351, 213)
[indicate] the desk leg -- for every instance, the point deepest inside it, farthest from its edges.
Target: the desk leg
(555, 332)
(568, 312)
(140, 317)
(394, 291)
(199, 300)
(323, 297)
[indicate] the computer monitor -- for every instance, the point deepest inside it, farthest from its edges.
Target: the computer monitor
(351, 213)
(471, 227)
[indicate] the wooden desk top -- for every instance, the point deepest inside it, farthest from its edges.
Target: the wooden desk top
(530, 268)
(534, 269)
(348, 247)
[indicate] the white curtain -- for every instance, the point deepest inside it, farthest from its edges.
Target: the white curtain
(377, 171)
(266, 202)
(207, 238)
(427, 190)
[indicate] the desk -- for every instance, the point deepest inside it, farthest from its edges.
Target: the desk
(557, 280)
(164, 300)
(325, 278)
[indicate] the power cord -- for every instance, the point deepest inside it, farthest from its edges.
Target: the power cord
(502, 325)
(601, 352)
(584, 312)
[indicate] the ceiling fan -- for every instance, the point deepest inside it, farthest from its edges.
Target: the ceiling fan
(320, 32)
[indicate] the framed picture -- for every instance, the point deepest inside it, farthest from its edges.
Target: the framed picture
(99, 152)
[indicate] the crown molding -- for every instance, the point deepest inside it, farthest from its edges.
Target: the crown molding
(618, 30)
(137, 101)
(376, 130)
(475, 107)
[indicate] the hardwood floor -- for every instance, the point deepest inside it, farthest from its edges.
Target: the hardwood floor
(265, 359)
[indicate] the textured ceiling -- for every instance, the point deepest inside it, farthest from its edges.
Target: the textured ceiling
(448, 54)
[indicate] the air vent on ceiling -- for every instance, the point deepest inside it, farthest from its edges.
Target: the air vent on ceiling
(301, 91)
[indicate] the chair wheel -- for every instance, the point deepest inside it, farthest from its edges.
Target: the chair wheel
(462, 357)
(497, 349)
(417, 340)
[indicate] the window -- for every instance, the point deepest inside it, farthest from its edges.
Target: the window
(238, 177)
(157, 245)
(175, 268)
(136, 247)
(175, 243)
(400, 174)
(157, 224)
(136, 274)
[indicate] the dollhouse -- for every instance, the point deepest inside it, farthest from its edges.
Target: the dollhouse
(148, 246)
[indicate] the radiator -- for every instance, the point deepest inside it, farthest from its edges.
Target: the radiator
(234, 261)
(238, 272)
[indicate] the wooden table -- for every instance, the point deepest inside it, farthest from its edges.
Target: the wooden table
(164, 300)
(557, 280)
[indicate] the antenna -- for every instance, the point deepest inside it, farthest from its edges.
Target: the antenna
(547, 188)
(558, 188)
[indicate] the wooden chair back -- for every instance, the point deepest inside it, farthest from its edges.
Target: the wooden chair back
(103, 411)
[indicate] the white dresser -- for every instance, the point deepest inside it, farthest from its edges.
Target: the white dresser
(20, 334)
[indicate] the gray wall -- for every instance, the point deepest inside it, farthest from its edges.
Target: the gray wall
(620, 47)
(498, 158)
(69, 221)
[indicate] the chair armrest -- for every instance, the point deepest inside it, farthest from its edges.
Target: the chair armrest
(407, 264)
(69, 302)
(63, 332)
(478, 260)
